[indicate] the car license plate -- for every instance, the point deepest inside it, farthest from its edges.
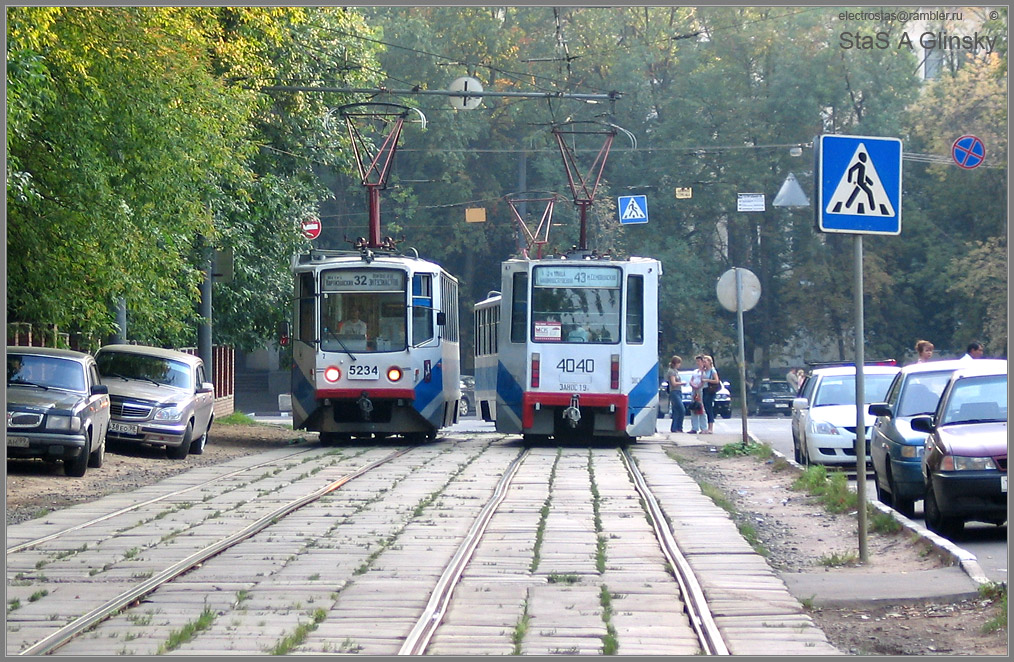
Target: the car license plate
(363, 372)
(1003, 484)
(781, 405)
(124, 428)
(22, 442)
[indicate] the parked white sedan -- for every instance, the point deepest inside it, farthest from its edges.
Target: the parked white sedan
(824, 414)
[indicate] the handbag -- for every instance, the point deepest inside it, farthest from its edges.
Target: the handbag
(712, 388)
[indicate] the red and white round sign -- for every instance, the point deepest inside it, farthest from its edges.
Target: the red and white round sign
(311, 228)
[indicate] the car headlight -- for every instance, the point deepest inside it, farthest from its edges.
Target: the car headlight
(168, 413)
(63, 423)
(823, 427)
(912, 451)
(960, 463)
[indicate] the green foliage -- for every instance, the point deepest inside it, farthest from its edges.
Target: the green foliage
(831, 490)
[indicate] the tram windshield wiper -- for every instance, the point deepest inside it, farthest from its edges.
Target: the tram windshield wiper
(339, 340)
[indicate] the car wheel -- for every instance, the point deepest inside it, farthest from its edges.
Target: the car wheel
(77, 466)
(197, 446)
(797, 455)
(180, 452)
(883, 496)
(98, 456)
(936, 521)
(904, 506)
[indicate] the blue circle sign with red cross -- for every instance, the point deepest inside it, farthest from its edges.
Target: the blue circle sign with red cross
(968, 152)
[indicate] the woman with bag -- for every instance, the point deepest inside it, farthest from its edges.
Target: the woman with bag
(698, 419)
(709, 376)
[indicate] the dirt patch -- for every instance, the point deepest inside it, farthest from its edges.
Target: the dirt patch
(799, 535)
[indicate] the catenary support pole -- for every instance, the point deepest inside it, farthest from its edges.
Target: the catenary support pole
(860, 443)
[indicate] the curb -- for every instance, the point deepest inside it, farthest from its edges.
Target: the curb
(962, 557)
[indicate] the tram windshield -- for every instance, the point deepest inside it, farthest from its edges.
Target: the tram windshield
(576, 303)
(362, 310)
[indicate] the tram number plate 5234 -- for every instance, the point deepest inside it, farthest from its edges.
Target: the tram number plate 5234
(363, 372)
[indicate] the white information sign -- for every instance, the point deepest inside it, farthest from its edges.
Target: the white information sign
(750, 202)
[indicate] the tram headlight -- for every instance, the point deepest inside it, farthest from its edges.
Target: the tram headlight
(394, 373)
(332, 374)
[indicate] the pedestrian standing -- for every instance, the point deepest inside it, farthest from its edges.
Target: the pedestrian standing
(923, 351)
(675, 393)
(974, 351)
(792, 377)
(711, 386)
(698, 419)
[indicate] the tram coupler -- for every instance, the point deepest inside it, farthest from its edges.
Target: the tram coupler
(365, 405)
(572, 414)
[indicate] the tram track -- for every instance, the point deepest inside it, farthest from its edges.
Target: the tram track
(489, 546)
(103, 611)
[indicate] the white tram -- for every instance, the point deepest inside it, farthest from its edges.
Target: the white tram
(569, 348)
(374, 345)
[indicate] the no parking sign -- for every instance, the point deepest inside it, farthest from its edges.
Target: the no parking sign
(968, 152)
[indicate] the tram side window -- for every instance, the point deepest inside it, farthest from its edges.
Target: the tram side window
(635, 309)
(422, 308)
(519, 308)
(307, 299)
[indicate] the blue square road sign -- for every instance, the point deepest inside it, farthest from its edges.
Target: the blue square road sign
(858, 184)
(632, 209)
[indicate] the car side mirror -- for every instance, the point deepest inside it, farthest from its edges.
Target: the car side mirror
(922, 424)
(880, 409)
(800, 403)
(99, 389)
(206, 387)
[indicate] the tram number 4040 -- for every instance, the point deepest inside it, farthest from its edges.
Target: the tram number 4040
(576, 365)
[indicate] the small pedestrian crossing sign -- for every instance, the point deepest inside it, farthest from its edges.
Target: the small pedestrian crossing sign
(859, 184)
(632, 209)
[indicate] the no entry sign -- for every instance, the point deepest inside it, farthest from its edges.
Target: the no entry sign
(311, 228)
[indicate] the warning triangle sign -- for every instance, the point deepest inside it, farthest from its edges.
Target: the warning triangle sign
(633, 211)
(860, 191)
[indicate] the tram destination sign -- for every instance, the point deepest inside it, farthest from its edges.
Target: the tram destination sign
(577, 276)
(362, 280)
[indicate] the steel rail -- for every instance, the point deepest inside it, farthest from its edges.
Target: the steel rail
(429, 621)
(697, 608)
(112, 606)
(56, 534)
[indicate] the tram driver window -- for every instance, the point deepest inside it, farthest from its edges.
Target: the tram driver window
(307, 303)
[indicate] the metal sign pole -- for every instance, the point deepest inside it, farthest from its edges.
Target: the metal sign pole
(860, 443)
(742, 355)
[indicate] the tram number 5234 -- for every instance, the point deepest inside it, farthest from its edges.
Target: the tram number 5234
(576, 365)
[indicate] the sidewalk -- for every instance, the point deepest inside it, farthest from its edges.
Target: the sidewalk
(950, 584)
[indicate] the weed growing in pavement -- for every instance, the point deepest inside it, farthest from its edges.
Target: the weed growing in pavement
(998, 592)
(881, 522)
(600, 544)
(236, 418)
(298, 636)
(179, 637)
(520, 630)
(762, 451)
(839, 560)
(610, 645)
(832, 491)
(557, 578)
(540, 530)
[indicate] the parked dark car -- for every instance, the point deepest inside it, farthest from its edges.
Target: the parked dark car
(466, 406)
(896, 450)
(770, 397)
(159, 397)
(965, 462)
(57, 409)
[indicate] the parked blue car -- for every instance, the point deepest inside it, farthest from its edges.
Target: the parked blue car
(896, 450)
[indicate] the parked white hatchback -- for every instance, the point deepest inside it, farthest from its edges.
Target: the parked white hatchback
(158, 396)
(824, 414)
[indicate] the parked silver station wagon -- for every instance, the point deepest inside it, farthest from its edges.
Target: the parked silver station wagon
(158, 396)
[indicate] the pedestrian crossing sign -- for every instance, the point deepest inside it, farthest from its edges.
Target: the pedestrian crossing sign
(632, 209)
(858, 183)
